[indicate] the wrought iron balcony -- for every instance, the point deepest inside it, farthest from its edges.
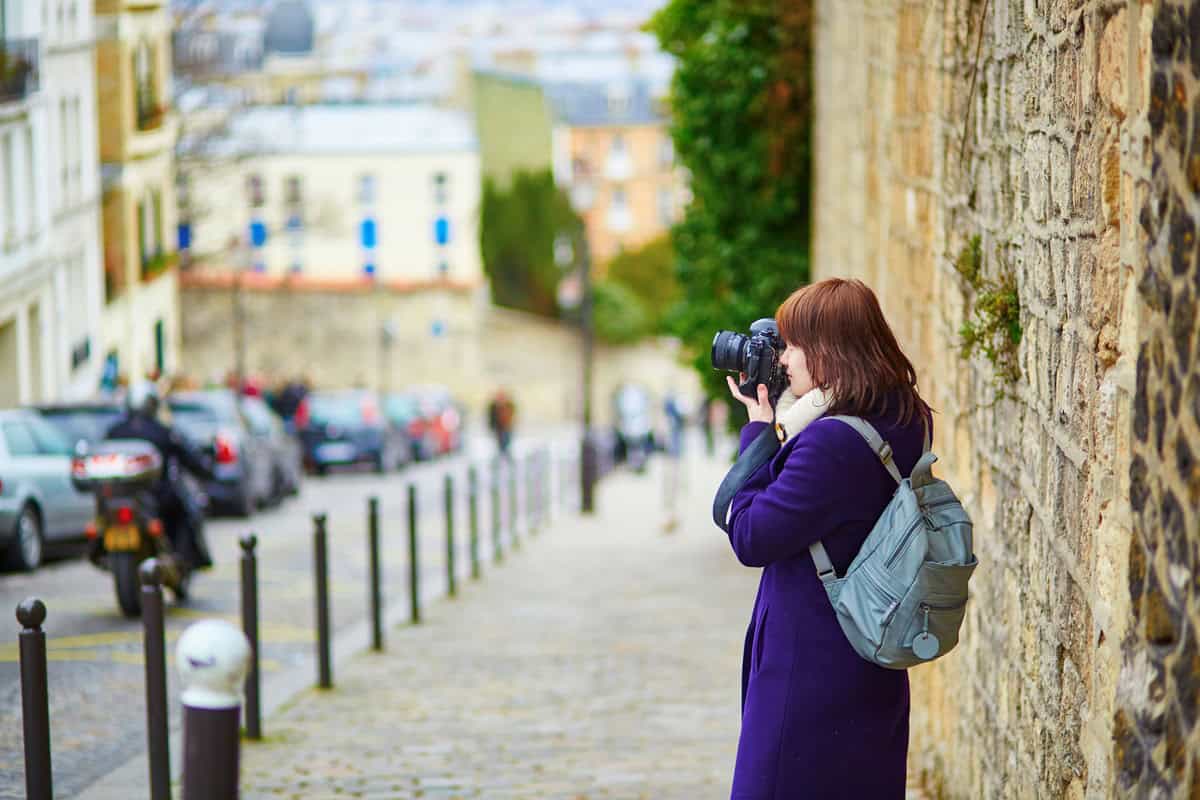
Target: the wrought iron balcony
(19, 69)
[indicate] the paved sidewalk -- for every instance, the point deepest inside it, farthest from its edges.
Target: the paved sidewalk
(599, 661)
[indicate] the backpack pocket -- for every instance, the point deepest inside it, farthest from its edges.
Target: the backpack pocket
(933, 609)
(864, 602)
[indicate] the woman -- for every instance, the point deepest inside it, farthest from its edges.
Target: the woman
(818, 721)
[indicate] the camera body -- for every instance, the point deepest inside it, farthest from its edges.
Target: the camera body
(757, 355)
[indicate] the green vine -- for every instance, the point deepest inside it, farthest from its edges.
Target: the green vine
(993, 328)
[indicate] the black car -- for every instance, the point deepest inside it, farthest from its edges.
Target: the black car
(216, 424)
(349, 427)
(286, 456)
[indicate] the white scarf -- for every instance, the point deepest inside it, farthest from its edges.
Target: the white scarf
(793, 414)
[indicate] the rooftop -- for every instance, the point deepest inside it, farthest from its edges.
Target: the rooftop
(336, 129)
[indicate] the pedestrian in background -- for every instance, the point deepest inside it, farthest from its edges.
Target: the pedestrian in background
(818, 720)
(502, 414)
(673, 479)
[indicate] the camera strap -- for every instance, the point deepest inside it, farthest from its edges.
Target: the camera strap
(761, 450)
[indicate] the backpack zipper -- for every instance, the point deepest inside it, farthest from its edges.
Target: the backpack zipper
(945, 501)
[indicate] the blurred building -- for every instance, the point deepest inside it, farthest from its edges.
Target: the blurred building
(607, 142)
(50, 286)
(137, 133)
(339, 193)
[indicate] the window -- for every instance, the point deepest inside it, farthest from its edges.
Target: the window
(618, 100)
(146, 110)
(619, 200)
(293, 192)
(19, 439)
(619, 218)
(666, 206)
(10, 188)
(156, 221)
(31, 185)
(255, 195)
(366, 190)
(666, 152)
(64, 144)
(48, 440)
(618, 147)
(441, 188)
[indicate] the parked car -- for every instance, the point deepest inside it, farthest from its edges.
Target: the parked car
(286, 456)
(348, 427)
(403, 411)
(38, 502)
(217, 425)
(85, 421)
(432, 418)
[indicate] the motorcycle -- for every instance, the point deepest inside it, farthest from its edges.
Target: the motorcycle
(128, 528)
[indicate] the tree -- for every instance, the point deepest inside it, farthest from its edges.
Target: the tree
(649, 273)
(619, 314)
(517, 230)
(741, 102)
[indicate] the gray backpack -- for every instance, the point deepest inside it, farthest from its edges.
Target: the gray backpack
(903, 598)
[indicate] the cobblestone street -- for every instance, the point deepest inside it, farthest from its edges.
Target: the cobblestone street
(602, 661)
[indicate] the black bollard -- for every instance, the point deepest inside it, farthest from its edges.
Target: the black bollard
(376, 596)
(35, 701)
(321, 561)
(213, 657)
(451, 585)
(414, 565)
(473, 518)
(253, 708)
(155, 647)
(497, 544)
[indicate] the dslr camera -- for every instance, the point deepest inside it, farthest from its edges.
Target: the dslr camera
(757, 355)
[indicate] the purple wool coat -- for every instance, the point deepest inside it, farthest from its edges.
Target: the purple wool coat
(818, 721)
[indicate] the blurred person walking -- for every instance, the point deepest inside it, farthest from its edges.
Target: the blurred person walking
(673, 477)
(502, 414)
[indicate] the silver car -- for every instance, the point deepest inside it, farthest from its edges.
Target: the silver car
(38, 503)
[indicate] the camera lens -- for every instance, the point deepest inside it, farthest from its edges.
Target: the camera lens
(728, 351)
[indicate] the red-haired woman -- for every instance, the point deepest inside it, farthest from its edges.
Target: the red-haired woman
(818, 721)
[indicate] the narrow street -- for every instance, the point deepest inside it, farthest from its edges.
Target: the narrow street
(96, 673)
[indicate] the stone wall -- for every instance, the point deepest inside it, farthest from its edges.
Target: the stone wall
(332, 334)
(1056, 135)
(1156, 732)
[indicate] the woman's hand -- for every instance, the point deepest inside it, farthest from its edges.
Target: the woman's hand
(759, 409)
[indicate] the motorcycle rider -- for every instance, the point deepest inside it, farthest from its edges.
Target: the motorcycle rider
(180, 514)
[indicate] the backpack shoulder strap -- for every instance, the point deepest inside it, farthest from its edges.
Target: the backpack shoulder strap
(821, 560)
(881, 448)
(760, 451)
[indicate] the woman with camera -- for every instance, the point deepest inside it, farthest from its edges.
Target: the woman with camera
(819, 721)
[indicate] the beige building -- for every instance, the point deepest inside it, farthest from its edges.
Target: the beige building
(612, 151)
(337, 193)
(1039, 164)
(138, 129)
(50, 286)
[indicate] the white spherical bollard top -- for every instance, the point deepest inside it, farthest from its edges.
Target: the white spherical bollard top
(213, 657)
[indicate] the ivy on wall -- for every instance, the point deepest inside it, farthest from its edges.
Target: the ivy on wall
(993, 324)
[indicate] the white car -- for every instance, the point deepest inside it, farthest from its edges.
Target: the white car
(38, 502)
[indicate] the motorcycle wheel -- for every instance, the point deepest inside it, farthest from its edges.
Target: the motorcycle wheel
(125, 580)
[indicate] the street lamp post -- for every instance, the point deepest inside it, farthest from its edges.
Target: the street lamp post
(587, 453)
(564, 255)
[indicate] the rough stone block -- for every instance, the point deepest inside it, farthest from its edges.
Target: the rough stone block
(1060, 183)
(1037, 170)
